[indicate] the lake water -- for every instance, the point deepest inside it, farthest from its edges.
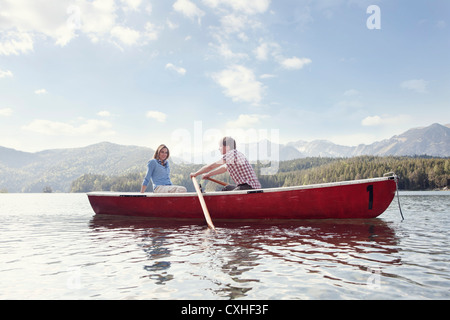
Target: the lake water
(52, 246)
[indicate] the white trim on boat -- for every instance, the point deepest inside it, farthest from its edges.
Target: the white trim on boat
(218, 193)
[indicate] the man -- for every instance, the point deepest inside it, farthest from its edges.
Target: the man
(237, 165)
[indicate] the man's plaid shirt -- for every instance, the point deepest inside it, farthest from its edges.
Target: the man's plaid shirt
(240, 169)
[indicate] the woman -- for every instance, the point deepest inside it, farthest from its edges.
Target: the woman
(158, 170)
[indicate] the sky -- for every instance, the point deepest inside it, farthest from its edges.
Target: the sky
(187, 72)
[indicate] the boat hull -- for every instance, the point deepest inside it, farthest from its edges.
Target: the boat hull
(360, 199)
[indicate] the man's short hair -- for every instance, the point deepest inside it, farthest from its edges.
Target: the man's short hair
(229, 141)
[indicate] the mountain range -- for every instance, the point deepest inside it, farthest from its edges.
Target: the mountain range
(433, 140)
(57, 168)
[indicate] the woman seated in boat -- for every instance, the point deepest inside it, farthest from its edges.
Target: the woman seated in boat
(236, 164)
(158, 170)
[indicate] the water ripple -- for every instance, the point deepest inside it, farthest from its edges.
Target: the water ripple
(52, 247)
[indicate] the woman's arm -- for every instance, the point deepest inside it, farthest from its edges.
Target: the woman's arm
(150, 168)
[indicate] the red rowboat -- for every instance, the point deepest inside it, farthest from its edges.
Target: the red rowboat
(359, 199)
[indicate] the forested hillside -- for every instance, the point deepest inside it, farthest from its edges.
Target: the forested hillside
(416, 173)
(109, 166)
(130, 182)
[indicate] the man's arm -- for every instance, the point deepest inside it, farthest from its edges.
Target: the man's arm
(219, 170)
(209, 168)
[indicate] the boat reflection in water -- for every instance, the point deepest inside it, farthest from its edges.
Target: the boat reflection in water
(235, 259)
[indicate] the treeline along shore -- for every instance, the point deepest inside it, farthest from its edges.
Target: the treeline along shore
(415, 173)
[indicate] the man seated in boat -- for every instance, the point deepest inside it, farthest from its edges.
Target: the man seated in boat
(158, 170)
(235, 163)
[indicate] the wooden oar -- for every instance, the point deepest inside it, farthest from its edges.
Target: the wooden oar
(217, 181)
(203, 204)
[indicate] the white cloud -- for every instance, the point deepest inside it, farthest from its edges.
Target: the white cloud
(238, 20)
(60, 20)
(294, 63)
(418, 85)
(172, 25)
(131, 4)
(372, 121)
(97, 17)
(40, 91)
(376, 120)
(64, 20)
(151, 32)
(55, 128)
(188, 9)
(100, 20)
(249, 6)
(242, 6)
(125, 35)
(246, 121)
(233, 23)
(224, 50)
(104, 113)
(131, 37)
(15, 43)
(29, 18)
(267, 76)
(351, 93)
(240, 84)
(6, 112)
(353, 139)
(236, 17)
(157, 115)
(178, 70)
(6, 73)
(267, 49)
